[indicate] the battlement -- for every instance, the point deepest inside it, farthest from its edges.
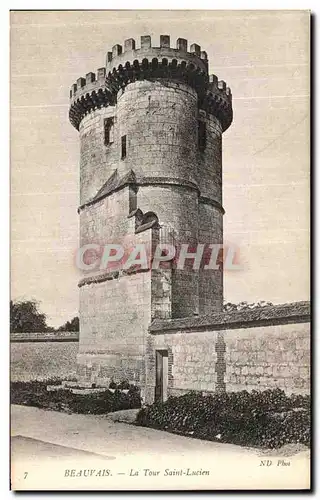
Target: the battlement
(119, 55)
(218, 101)
(128, 52)
(145, 44)
(126, 64)
(219, 86)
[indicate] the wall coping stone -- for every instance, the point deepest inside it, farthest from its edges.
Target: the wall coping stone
(295, 312)
(45, 337)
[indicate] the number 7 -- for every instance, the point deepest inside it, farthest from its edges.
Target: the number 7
(25, 475)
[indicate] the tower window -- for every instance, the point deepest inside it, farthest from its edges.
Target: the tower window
(132, 199)
(108, 131)
(202, 136)
(123, 147)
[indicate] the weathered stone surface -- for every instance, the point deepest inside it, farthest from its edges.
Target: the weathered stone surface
(151, 127)
(232, 353)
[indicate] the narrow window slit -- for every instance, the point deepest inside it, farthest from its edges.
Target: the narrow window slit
(202, 136)
(108, 131)
(123, 147)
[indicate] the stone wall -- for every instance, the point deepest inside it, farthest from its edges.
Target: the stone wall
(44, 337)
(114, 318)
(106, 221)
(192, 361)
(255, 349)
(97, 161)
(210, 280)
(115, 306)
(159, 119)
(210, 160)
(268, 357)
(43, 360)
(246, 350)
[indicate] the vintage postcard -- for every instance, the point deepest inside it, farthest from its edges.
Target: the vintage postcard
(159, 313)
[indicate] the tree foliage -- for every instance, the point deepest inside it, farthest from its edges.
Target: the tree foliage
(229, 306)
(25, 317)
(70, 326)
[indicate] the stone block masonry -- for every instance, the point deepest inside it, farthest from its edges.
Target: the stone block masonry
(43, 356)
(114, 318)
(269, 357)
(97, 161)
(150, 124)
(245, 350)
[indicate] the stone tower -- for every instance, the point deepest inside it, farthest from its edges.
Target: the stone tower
(150, 125)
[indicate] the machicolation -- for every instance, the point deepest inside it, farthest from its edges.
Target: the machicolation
(127, 64)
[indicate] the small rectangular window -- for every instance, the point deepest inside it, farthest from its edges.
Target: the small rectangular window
(202, 136)
(123, 147)
(108, 131)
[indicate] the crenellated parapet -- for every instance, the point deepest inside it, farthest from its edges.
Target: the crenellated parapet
(126, 64)
(130, 64)
(129, 52)
(87, 94)
(218, 101)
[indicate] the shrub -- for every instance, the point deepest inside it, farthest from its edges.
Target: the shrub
(112, 385)
(263, 419)
(124, 385)
(35, 393)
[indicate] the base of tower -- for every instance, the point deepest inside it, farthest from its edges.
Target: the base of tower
(103, 368)
(258, 349)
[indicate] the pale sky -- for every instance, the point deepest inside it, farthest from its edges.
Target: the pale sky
(263, 56)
